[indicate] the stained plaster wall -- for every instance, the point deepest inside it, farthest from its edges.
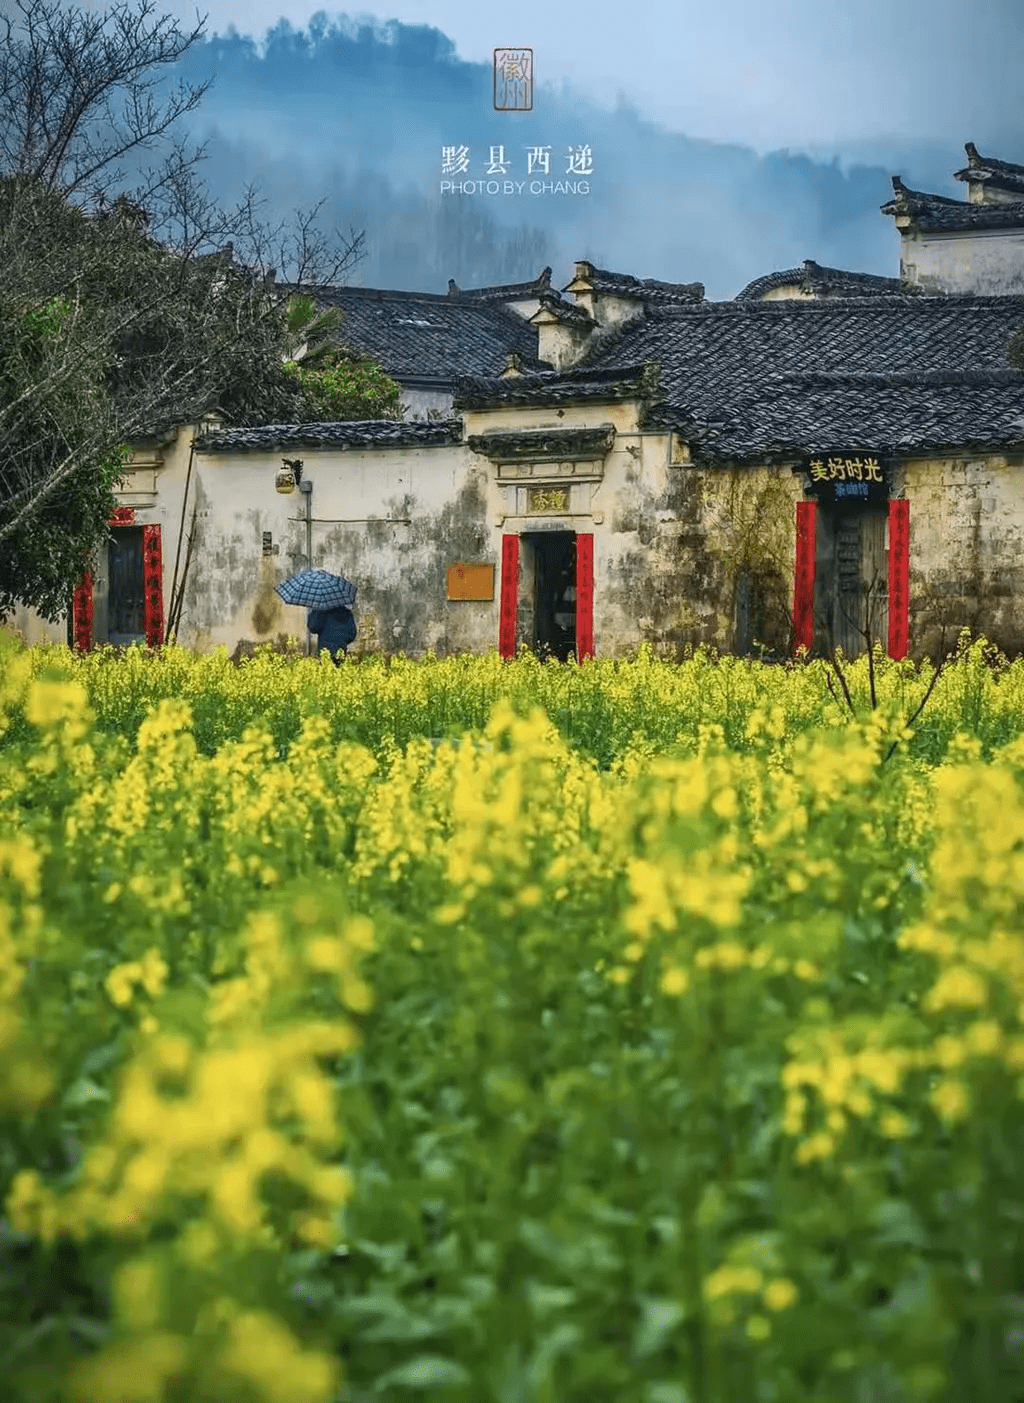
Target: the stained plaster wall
(679, 536)
(669, 538)
(966, 550)
(390, 519)
(986, 263)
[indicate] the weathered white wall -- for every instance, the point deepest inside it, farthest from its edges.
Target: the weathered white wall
(669, 538)
(390, 519)
(966, 549)
(416, 403)
(989, 263)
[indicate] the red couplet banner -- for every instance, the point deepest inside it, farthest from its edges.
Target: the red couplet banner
(509, 606)
(153, 585)
(584, 596)
(899, 577)
(803, 583)
(81, 615)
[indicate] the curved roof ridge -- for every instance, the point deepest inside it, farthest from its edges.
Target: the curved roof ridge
(500, 291)
(814, 274)
(893, 302)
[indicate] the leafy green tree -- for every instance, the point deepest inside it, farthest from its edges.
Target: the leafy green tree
(345, 385)
(337, 383)
(120, 314)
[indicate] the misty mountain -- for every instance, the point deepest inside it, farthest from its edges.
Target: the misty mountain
(359, 112)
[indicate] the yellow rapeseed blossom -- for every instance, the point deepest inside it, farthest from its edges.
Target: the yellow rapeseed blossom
(674, 981)
(950, 1099)
(732, 1280)
(779, 1294)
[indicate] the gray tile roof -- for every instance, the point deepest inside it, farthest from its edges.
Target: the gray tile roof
(424, 338)
(587, 386)
(365, 433)
(646, 289)
(933, 213)
(823, 282)
(781, 379)
(796, 416)
(1004, 175)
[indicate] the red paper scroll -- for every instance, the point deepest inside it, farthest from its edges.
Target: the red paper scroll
(803, 584)
(153, 585)
(509, 606)
(81, 615)
(584, 596)
(899, 577)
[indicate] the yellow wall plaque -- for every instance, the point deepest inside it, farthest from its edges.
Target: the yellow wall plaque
(470, 581)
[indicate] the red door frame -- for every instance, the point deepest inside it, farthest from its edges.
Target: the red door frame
(81, 615)
(508, 609)
(152, 588)
(899, 577)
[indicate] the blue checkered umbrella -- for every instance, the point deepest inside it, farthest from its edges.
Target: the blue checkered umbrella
(317, 589)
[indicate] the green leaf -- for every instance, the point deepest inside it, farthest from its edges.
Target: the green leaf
(83, 1092)
(658, 1318)
(425, 1371)
(544, 1299)
(664, 1391)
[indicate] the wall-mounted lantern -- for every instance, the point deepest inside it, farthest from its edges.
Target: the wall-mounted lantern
(289, 477)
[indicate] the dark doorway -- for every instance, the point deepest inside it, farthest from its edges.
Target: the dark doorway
(126, 614)
(554, 593)
(851, 592)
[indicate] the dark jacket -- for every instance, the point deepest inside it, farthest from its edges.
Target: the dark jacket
(335, 628)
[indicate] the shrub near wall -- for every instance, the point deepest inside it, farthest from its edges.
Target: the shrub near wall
(512, 1068)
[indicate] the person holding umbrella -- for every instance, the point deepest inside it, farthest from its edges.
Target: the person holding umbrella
(334, 629)
(329, 599)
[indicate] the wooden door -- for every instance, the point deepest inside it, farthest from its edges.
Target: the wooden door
(852, 588)
(126, 603)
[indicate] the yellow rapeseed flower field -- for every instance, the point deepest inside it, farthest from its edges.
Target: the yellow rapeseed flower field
(632, 1031)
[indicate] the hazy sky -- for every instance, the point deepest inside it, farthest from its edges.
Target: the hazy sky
(730, 137)
(822, 75)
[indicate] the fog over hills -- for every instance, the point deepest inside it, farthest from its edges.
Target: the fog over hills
(359, 112)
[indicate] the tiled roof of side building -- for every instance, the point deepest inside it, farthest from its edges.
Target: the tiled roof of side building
(363, 433)
(933, 365)
(933, 213)
(648, 289)
(424, 336)
(815, 278)
(1003, 174)
(794, 417)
